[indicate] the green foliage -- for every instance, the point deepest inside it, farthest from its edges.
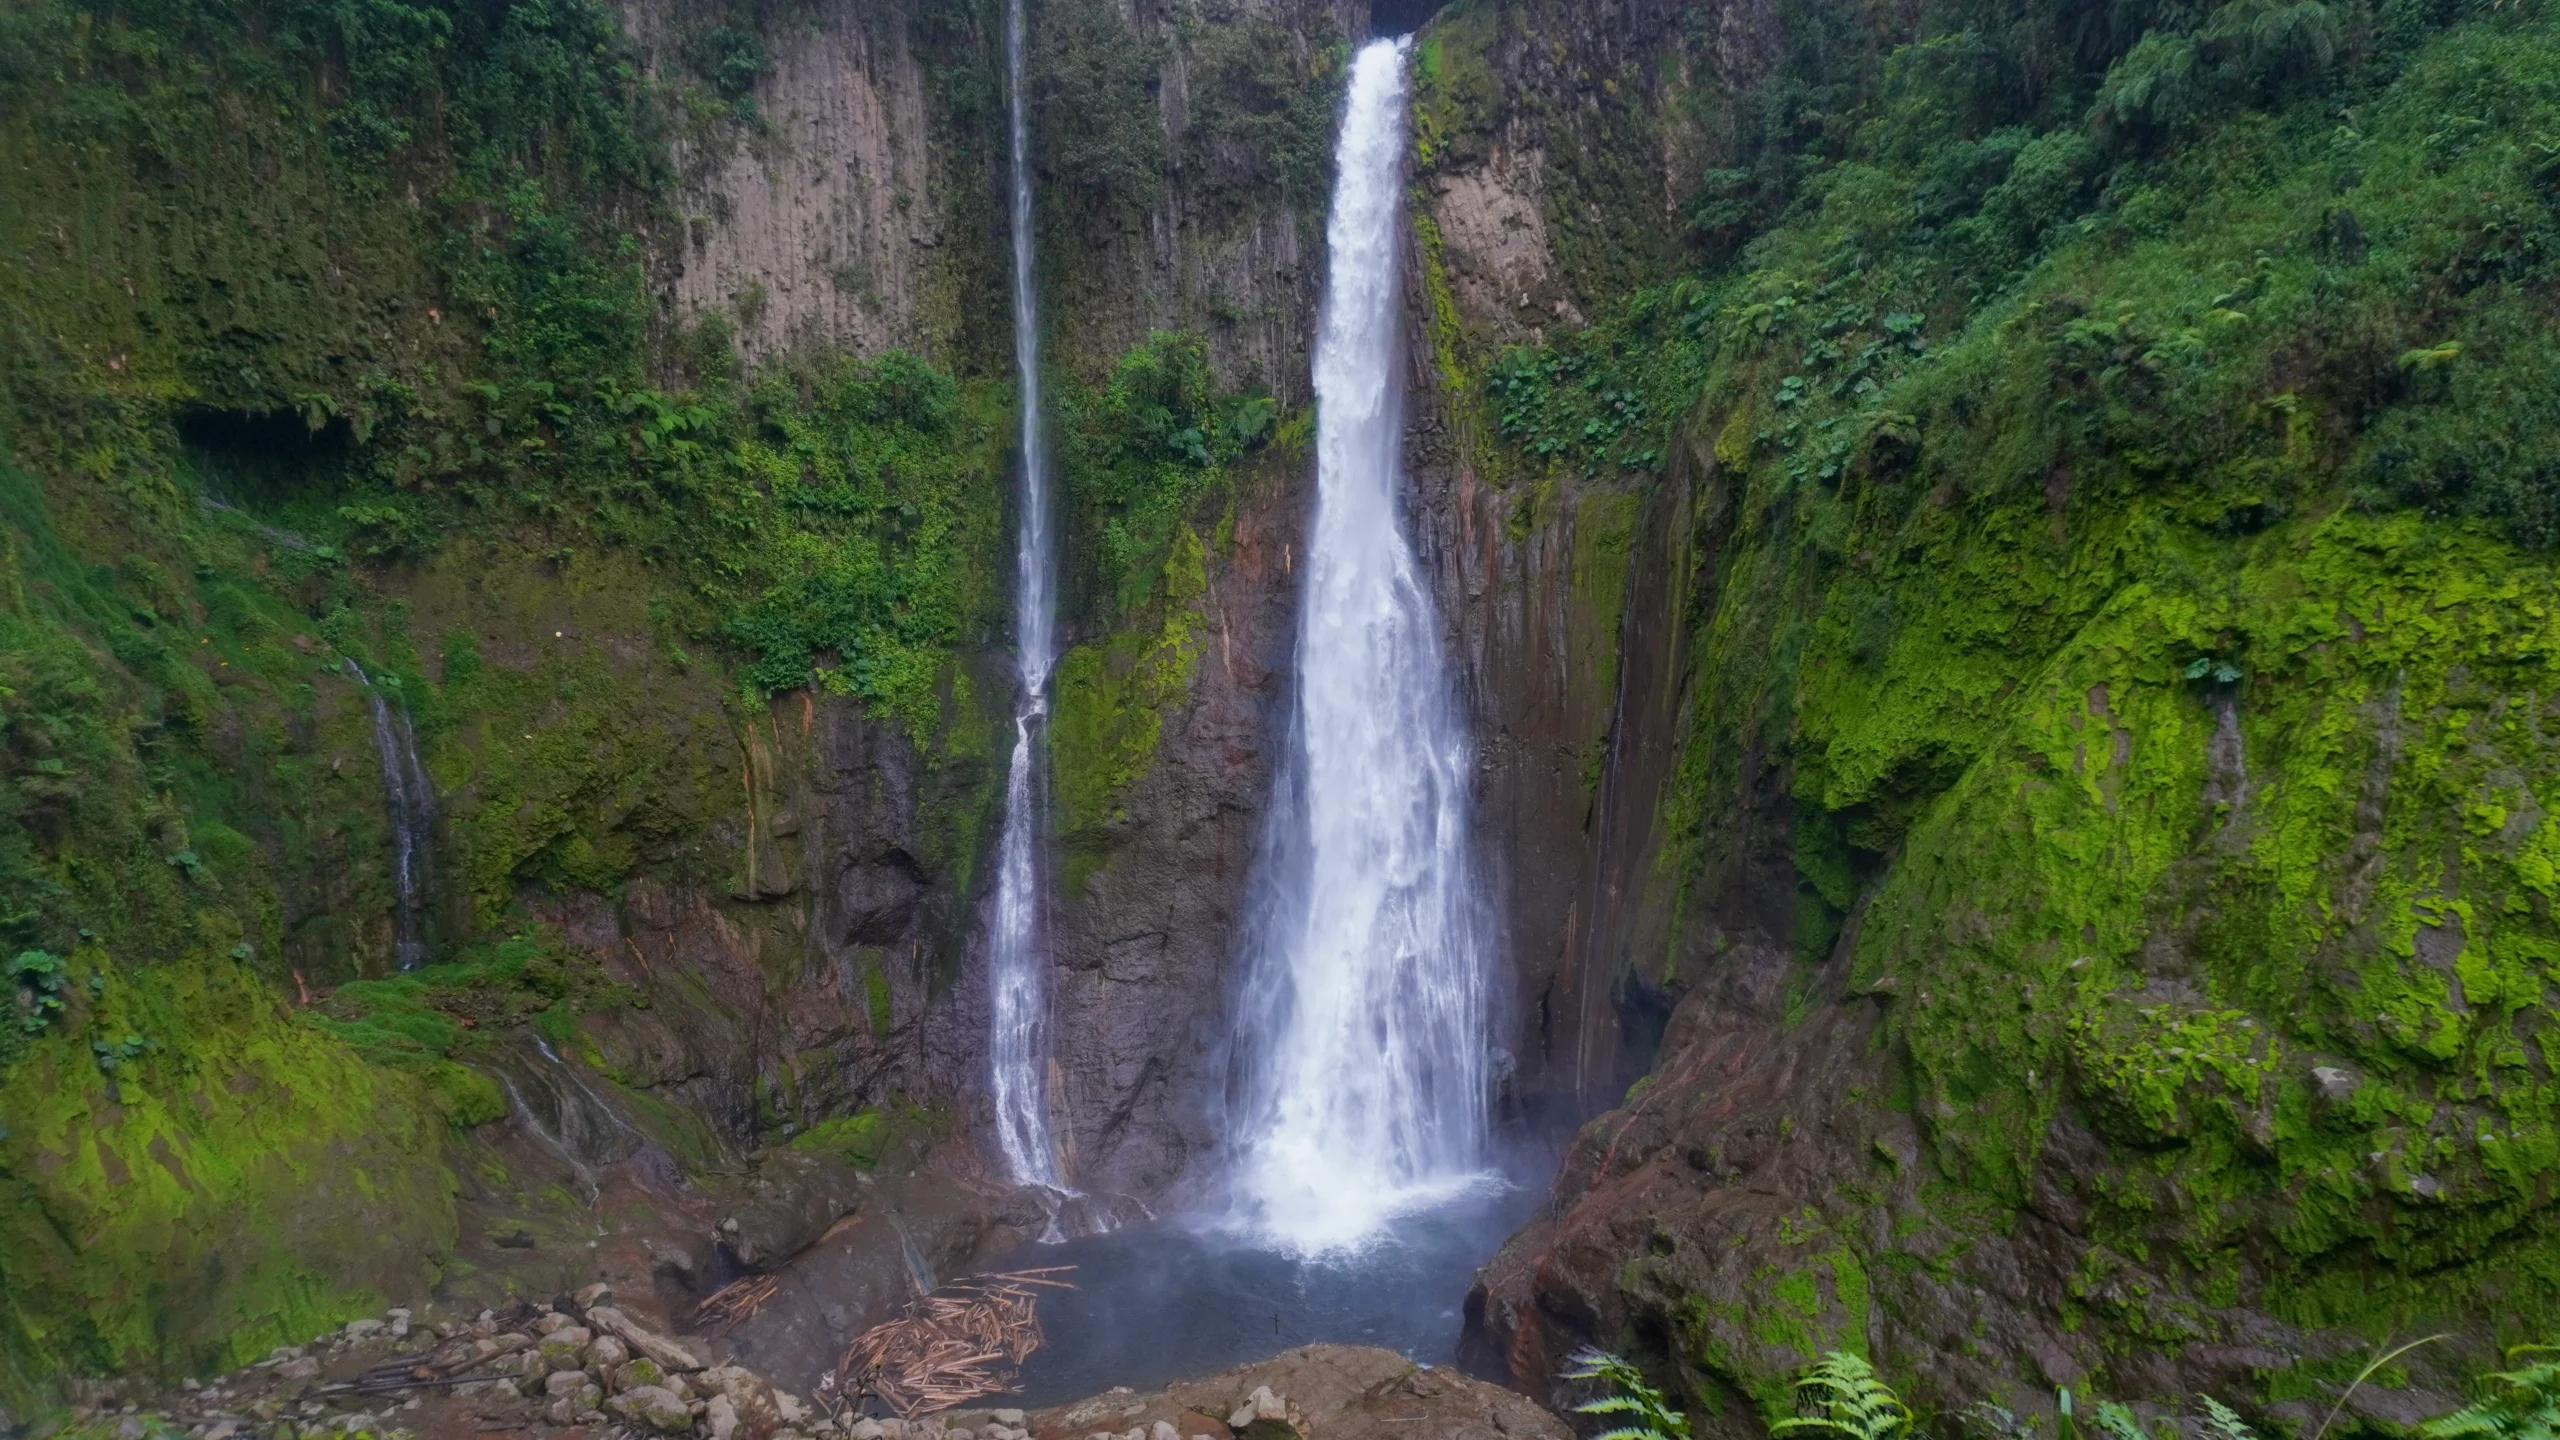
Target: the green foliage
(2015, 418)
(1841, 1395)
(1648, 1411)
(2245, 51)
(437, 1012)
(2524, 1403)
(1100, 145)
(2221, 1422)
(1140, 458)
(1261, 124)
(38, 978)
(883, 492)
(730, 58)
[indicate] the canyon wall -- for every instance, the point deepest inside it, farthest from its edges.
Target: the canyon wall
(2008, 756)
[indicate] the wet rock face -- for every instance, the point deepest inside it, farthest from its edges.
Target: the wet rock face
(1149, 930)
(1560, 592)
(1715, 1224)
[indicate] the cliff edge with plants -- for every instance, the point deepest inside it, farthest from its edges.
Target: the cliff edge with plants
(2069, 822)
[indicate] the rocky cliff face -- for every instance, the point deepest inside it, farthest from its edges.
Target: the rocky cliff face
(1918, 903)
(2031, 841)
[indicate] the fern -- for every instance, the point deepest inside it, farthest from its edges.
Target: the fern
(1848, 1400)
(1651, 1415)
(2526, 1407)
(2114, 1420)
(2221, 1422)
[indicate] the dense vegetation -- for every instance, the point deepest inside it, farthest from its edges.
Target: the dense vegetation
(2124, 459)
(332, 345)
(2123, 437)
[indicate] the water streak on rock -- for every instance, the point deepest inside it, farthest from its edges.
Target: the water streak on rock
(412, 803)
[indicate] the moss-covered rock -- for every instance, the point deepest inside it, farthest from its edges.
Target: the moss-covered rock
(195, 1174)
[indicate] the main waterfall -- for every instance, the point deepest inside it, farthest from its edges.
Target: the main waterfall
(1362, 1029)
(1017, 949)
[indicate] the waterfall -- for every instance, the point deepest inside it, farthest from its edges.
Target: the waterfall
(1017, 962)
(1363, 1087)
(412, 803)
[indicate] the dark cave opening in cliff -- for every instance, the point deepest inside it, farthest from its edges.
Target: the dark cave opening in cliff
(1402, 17)
(261, 459)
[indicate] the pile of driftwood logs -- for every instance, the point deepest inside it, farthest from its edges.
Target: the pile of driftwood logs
(952, 1346)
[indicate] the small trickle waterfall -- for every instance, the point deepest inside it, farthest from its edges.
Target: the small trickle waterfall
(1362, 1030)
(1017, 950)
(412, 803)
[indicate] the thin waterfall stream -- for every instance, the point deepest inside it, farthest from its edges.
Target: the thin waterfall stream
(411, 802)
(1017, 946)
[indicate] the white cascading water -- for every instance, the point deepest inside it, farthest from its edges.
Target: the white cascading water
(1363, 1029)
(1017, 959)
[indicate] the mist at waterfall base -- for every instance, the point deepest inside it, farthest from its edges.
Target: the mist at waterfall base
(1183, 1299)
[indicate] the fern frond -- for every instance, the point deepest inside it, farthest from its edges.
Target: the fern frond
(1656, 1420)
(2526, 1408)
(2221, 1422)
(2116, 1422)
(1846, 1398)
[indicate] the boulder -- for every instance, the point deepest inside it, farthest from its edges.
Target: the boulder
(787, 1202)
(643, 1340)
(566, 1347)
(720, 1416)
(638, 1372)
(1260, 1405)
(655, 1408)
(605, 1353)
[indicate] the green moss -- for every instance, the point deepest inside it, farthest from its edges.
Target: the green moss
(466, 1096)
(1603, 542)
(1112, 698)
(857, 1138)
(246, 1182)
(1145, 456)
(2124, 571)
(1455, 95)
(1785, 1317)
(875, 989)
